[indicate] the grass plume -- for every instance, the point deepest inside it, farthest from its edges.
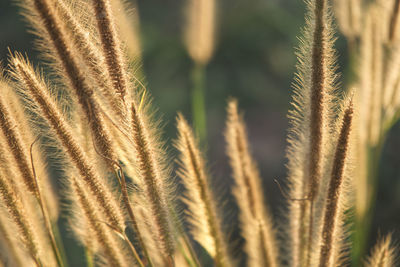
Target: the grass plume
(151, 174)
(311, 117)
(256, 223)
(333, 212)
(203, 214)
(36, 89)
(19, 217)
(111, 46)
(384, 254)
(51, 29)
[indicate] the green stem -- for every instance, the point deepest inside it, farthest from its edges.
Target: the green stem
(59, 242)
(198, 101)
(89, 258)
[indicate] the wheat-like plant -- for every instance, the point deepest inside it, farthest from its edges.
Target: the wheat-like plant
(93, 117)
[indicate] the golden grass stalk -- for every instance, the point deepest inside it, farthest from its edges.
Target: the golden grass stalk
(109, 247)
(51, 29)
(111, 46)
(34, 88)
(333, 210)
(310, 118)
(256, 222)
(384, 254)
(151, 174)
(199, 32)
(203, 214)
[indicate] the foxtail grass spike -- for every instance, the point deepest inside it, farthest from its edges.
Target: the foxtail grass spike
(152, 182)
(311, 122)
(333, 212)
(111, 46)
(206, 225)
(256, 223)
(52, 29)
(36, 89)
(384, 254)
(11, 202)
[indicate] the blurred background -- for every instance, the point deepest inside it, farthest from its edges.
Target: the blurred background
(253, 61)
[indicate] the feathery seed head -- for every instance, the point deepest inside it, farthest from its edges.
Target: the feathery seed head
(256, 222)
(199, 197)
(34, 88)
(384, 254)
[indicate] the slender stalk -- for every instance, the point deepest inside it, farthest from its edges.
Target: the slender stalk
(45, 214)
(132, 248)
(89, 258)
(198, 101)
(125, 198)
